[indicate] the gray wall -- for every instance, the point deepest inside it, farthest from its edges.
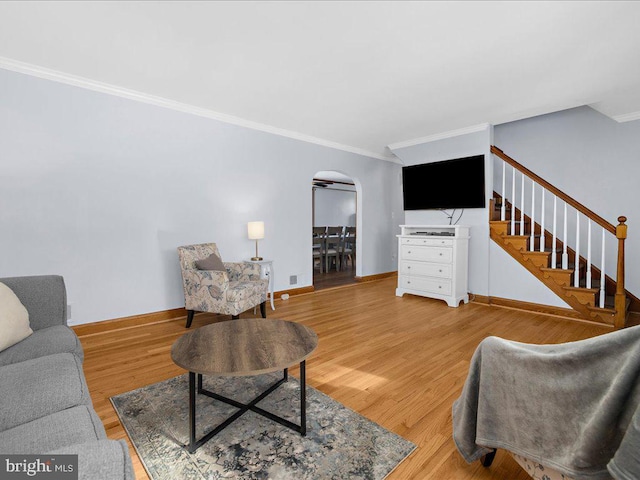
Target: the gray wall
(590, 157)
(334, 207)
(103, 189)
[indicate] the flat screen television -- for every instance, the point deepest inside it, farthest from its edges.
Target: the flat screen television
(456, 183)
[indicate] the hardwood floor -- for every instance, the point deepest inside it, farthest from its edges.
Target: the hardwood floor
(401, 362)
(333, 278)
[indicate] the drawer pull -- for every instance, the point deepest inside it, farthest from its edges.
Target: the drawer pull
(408, 281)
(408, 267)
(409, 251)
(440, 254)
(439, 286)
(440, 270)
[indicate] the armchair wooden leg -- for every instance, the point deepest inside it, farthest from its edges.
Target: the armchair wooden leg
(487, 459)
(263, 309)
(189, 318)
(235, 317)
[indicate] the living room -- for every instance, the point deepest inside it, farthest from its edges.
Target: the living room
(110, 162)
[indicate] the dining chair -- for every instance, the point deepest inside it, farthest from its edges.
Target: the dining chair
(333, 244)
(348, 247)
(318, 245)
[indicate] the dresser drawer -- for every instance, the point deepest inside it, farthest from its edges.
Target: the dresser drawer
(429, 242)
(427, 254)
(426, 269)
(430, 285)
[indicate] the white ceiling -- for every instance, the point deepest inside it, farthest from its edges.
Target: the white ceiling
(357, 75)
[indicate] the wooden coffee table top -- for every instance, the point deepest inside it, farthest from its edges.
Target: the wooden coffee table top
(247, 346)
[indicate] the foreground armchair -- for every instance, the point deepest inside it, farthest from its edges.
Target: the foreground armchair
(212, 286)
(570, 410)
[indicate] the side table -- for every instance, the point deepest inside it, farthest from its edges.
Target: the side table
(266, 271)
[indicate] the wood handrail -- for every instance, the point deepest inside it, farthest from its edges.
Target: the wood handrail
(556, 191)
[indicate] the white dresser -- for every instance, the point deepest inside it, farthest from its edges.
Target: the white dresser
(432, 262)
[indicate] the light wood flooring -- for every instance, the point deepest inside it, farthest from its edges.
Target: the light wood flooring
(401, 362)
(334, 278)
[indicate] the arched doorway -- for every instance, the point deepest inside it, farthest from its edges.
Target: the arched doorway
(334, 221)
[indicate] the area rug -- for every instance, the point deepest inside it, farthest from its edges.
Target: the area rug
(340, 443)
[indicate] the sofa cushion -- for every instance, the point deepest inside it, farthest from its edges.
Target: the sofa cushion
(14, 319)
(104, 460)
(36, 388)
(47, 341)
(67, 427)
(212, 262)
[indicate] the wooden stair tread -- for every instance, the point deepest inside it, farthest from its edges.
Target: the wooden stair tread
(581, 289)
(559, 280)
(608, 310)
(609, 305)
(549, 269)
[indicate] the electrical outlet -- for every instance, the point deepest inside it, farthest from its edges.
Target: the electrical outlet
(293, 280)
(68, 312)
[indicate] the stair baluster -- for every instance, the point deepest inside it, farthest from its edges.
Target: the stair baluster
(602, 277)
(542, 237)
(588, 283)
(522, 205)
(565, 255)
(504, 200)
(576, 273)
(532, 245)
(554, 260)
(513, 202)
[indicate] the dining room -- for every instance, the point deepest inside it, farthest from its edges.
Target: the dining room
(334, 230)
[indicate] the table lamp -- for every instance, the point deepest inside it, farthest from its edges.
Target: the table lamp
(256, 232)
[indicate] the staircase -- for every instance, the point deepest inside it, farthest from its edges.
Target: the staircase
(519, 221)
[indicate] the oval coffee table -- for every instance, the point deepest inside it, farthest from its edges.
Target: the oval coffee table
(246, 346)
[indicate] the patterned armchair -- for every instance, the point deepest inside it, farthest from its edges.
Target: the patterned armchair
(229, 292)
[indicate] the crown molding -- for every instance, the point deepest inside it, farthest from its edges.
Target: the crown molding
(86, 83)
(627, 117)
(439, 136)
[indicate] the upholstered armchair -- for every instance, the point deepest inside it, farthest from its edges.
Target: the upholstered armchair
(228, 288)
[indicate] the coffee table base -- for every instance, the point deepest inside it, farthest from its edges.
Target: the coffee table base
(243, 407)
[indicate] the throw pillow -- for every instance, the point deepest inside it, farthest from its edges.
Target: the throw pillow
(14, 319)
(212, 262)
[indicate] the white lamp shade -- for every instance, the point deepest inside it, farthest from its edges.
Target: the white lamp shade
(255, 230)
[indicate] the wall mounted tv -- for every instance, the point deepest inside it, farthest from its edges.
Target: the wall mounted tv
(457, 183)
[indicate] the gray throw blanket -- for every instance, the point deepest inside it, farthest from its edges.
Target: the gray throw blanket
(574, 407)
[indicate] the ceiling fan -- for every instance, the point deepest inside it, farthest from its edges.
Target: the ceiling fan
(322, 183)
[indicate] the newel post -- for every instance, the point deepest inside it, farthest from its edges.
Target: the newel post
(620, 298)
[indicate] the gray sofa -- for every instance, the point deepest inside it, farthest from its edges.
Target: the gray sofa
(45, 407)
